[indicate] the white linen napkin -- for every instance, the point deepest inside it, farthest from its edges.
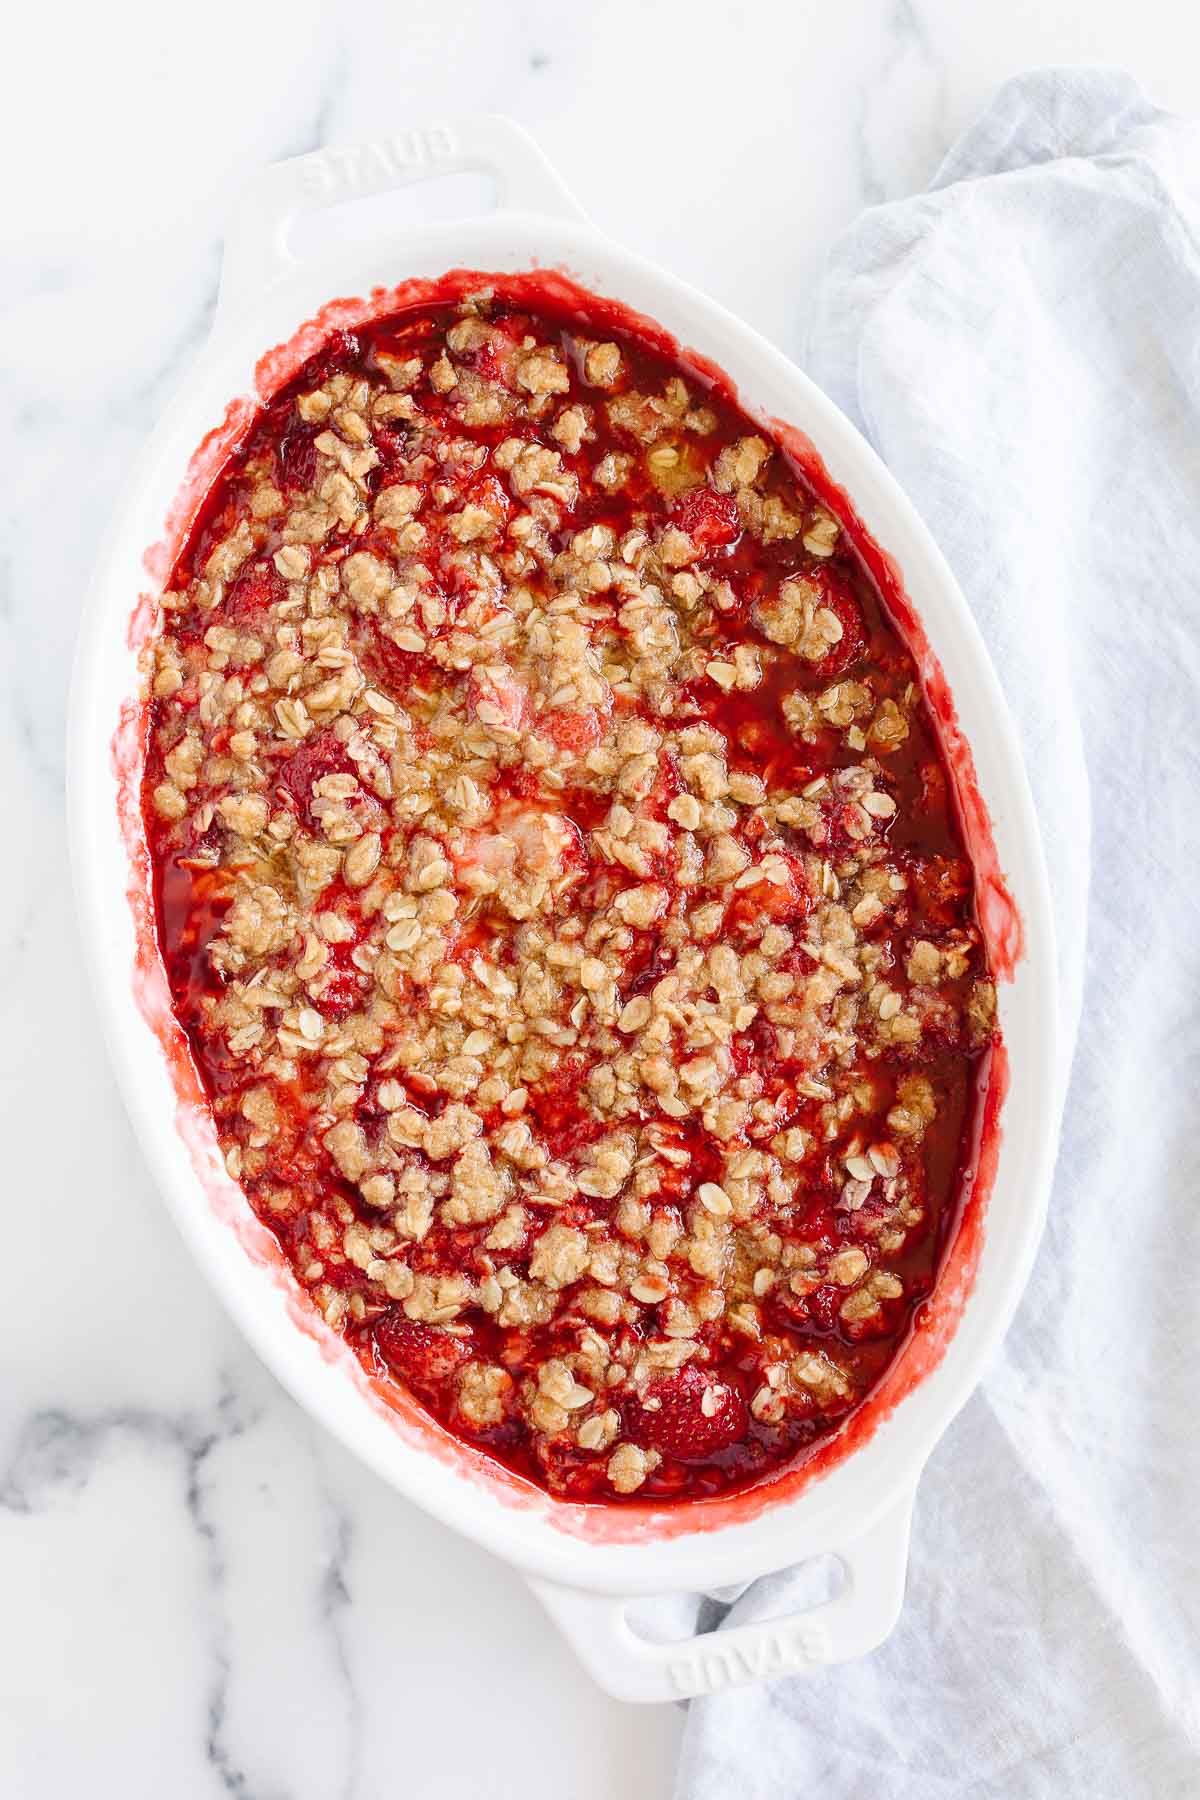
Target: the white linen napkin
(1022, 345)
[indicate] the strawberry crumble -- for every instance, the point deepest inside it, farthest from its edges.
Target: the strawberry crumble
(561, 888)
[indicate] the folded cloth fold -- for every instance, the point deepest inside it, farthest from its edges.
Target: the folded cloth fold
(1021, 343)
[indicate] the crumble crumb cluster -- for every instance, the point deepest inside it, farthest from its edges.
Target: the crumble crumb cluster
(560, 887)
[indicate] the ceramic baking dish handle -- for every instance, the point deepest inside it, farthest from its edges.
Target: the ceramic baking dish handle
(256, 247)
(858, 1619)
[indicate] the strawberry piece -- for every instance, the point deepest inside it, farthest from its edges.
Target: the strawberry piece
(490, 366)
(771, 899)
(822, 1306)
(689, 1414)
(202, 844)
(396, 671)
(841, 602)
(563, 1121)
(424, 1356)
(321, 754)
(939, 886)
(341, 994)
(258, 586)
(710, 519)
(340, 349)
(393, 442)
(296, 458)
(576, 732)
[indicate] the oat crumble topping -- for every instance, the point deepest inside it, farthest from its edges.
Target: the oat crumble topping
(560, 887)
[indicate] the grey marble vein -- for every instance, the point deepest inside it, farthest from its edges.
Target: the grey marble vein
(901, 130)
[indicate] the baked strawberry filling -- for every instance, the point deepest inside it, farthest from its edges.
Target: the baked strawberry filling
(560, 886)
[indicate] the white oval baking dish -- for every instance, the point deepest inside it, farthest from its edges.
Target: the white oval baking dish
(584, 1568)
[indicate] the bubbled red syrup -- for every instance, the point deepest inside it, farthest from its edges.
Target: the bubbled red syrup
(553, 293)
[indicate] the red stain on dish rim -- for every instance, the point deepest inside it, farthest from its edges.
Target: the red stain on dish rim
(999, 920)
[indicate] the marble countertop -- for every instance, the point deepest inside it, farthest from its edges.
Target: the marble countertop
(203, 1595)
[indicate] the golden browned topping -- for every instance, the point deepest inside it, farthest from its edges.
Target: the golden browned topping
(560, 887)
